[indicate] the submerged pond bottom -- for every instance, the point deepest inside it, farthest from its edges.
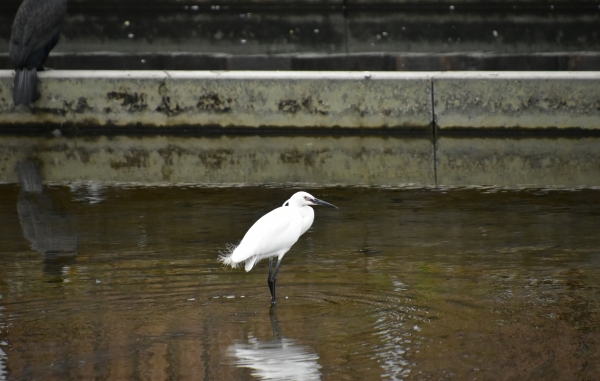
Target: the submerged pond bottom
(123, 282)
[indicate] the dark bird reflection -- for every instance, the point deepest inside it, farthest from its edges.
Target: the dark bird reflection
(277, 359)
(49, 232)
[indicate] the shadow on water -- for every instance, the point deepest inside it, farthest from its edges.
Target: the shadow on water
(400, 284)
(49, 231)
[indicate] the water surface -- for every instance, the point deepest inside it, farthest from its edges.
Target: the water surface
(122, 282)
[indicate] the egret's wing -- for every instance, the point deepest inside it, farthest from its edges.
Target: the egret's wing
(273, 232)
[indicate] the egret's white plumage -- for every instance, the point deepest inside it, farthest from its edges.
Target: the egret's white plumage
(274, 234)
(271, 236)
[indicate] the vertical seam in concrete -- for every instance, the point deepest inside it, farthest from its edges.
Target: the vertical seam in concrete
(434, 133)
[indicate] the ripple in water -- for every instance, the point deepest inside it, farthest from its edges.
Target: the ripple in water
(391, 327)
(88, 192)
(3, 355)
(395, 330)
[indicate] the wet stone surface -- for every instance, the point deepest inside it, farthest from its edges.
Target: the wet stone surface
(122, 282)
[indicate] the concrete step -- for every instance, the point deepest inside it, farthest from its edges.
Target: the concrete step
(560, 61)
(332, 27)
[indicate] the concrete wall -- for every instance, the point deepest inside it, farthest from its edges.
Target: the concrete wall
(311, 99)
(242, 99)
(430, 128)
(513, 99)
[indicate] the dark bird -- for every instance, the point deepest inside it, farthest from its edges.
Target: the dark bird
(35, 32)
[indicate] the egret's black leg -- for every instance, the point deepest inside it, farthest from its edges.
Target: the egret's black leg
(270, 281)
(273, 280)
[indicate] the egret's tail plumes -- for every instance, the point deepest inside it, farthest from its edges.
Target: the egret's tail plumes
(234, 256)
(25, 86)
(226, 256)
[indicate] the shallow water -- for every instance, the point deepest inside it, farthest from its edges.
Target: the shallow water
(427, 283)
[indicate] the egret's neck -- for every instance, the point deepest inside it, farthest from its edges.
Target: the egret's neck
(306, 211)
(308, 215)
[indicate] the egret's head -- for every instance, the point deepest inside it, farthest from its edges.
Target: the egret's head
(303, 199)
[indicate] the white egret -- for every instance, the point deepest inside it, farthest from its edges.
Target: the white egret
(273, 235)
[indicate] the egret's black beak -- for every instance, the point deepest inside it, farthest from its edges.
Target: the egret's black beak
(324, 203)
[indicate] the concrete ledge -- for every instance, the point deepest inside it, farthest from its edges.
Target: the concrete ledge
(476, 100)
(517, 99)
(513, 99)
(248, 99)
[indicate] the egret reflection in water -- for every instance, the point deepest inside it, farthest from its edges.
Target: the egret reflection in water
(49, 231)
(277, 359)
